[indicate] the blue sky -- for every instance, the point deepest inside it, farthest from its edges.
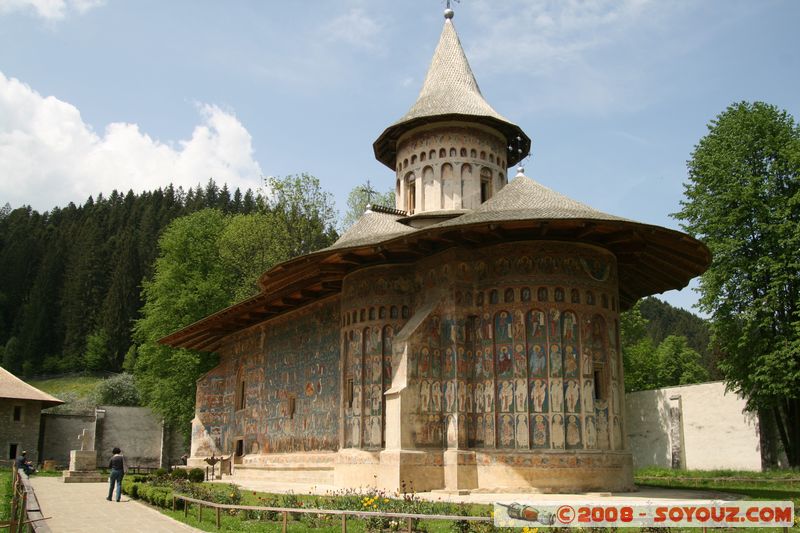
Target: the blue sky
(97, 95)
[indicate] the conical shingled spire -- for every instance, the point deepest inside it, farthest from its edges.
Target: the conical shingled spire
(450, 86)
(450, 92)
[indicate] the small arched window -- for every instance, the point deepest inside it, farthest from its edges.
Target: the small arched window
(443, 152)
(463, 152)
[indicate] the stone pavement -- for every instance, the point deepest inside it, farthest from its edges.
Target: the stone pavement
(82, 507)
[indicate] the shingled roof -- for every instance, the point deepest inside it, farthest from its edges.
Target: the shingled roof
(372, 227)
(450, 92)
(13, 388)
(525, 199)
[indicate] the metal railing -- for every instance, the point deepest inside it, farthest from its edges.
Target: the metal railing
(408, 518)
(26, 515)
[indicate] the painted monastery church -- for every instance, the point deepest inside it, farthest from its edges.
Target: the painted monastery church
(466, 339)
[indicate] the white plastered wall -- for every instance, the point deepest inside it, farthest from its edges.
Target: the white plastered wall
(715, 432)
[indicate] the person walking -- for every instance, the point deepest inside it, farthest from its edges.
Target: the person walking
(118, 467)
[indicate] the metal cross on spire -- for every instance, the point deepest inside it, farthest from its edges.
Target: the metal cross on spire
(516, 147)
(369, 191)
(448, 12)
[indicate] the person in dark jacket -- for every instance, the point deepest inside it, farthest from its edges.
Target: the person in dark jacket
(118, 467)
(23, 464)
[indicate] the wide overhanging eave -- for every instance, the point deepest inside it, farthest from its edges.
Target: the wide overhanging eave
(385, 147)
(650, 260)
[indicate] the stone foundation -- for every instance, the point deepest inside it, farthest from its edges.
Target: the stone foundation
(450, 470)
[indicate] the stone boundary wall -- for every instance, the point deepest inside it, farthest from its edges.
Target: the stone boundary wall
(140, 434)
(699, 427)
(60, 434)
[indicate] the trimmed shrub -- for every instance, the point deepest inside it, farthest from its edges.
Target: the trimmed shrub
(179, 473)
(197, 475)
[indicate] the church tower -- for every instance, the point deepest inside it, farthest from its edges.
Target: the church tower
(451, 150)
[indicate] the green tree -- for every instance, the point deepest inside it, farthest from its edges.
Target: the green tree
(651, 366)
(638, 351)
(743, 201)
(97, 353)
(117, 390)
(357, 202)
(249, 245)
(678, 364)
(189, 282)
(304, 212)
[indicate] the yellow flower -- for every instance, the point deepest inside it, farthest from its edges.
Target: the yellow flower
(386, 500)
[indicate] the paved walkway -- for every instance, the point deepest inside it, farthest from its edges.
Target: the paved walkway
(82, 507)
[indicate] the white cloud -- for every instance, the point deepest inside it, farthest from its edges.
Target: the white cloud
(50, 9)
(355, 28)
(49, 156)
(546, 34)
(585, 56)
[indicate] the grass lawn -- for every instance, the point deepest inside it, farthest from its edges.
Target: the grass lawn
(775, 485)
(76, 391)
(77, 386)
(5, 493)
(770, 485)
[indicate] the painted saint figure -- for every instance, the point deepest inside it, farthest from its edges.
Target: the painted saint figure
(591, 433)
(539, 431)
(556, 396)
(555, 360)
(573, 432)
(557, 431)
(520, 395)
(571, 395)
(506, 394)
(522, 431)
(539, 394)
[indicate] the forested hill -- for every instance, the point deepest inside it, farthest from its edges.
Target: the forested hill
(665, 320)
(664, 346)
(73, 275)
